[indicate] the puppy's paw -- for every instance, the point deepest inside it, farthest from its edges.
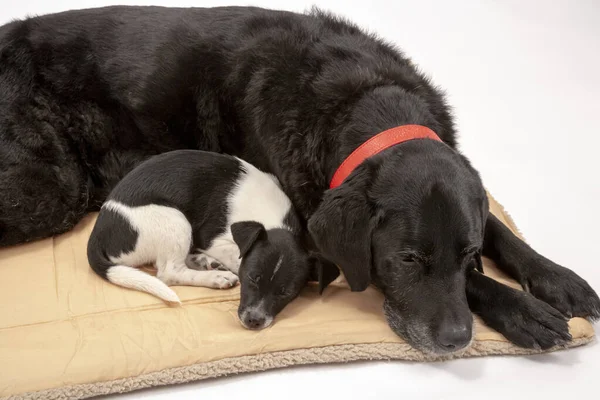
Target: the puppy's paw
(528, 322)
(217, 266)
(563, 289)
(222, 279)
(197, 261)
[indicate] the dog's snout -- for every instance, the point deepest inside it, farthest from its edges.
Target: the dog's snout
(454, 337)
(254, 320)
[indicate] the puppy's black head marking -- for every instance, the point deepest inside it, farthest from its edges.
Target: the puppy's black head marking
(275, 268)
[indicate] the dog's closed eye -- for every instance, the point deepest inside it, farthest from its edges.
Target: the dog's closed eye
(407, 262)
(408, 259)
(282, 291)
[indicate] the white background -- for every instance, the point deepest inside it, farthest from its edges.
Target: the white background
(524, 80)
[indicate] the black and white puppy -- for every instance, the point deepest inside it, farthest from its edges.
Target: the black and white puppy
(198, 216)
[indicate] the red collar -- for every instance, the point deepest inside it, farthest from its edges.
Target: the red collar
(377, 144)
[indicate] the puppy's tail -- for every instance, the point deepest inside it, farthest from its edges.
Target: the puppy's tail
(133, 278)
(129, 277)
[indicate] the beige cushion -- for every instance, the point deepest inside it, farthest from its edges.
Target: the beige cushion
(66, 333)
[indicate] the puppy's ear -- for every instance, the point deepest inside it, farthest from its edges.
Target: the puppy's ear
(322, 271)
(246, 233)
(341, 228)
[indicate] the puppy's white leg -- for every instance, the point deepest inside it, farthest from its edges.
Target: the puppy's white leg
(173, 271)
(227, 252)
(178, 274)
(202, 262)
(193, 261)
(164, 238)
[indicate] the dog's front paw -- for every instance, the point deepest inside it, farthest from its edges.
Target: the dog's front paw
(563, 289)
(223, 279)
(528, 322)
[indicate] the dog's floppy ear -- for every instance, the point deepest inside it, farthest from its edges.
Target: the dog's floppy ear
(341, 229)
(246, 233)
(322, 271)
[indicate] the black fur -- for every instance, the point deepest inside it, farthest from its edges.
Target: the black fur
(523, 319)
(196, 183)
(416, 215)
(546, 280)
(85, 102)
(89, 94)
(121, 238)
(246, 234)
(274, 270)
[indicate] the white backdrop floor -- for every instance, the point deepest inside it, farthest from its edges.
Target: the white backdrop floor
(523, 80)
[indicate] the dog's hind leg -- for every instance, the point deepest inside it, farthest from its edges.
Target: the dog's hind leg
(39, 200)
(560, 287)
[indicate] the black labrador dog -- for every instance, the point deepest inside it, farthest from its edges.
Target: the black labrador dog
(87, 95)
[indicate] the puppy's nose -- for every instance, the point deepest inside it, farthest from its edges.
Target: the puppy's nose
(254, 320)
(454, 337)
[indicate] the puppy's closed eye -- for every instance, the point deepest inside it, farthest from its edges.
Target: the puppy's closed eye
(254, 279)
(282, 292)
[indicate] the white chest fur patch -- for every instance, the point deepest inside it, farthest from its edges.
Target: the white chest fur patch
(258, 197)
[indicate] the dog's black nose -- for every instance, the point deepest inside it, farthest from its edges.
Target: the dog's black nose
(255, 321)
(454, 337)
